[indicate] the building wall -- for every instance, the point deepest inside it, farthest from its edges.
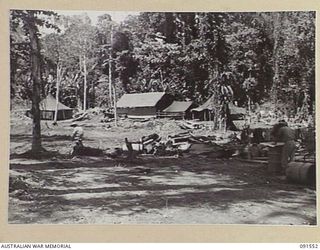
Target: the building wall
(176, 115)
(65, 114)
(46, 115)
(137, 111)
(49, 114)
(163, 103)
(204, 115)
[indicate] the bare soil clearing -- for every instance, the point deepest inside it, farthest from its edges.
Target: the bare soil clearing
(190, 189)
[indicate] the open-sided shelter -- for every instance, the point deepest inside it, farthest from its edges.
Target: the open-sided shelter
(178, 109)
(236, 117)
(48, 109)
(204, 111)
(143, 105)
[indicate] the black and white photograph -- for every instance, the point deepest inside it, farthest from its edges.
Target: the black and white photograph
(128, 117)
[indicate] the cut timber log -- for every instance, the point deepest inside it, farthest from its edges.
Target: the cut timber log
(180, 139)
(271, 145)
(185, 126)
(148, 142)
(157, 157)
(81, 117)
(151, 137)
(183, 146)
(253, 161)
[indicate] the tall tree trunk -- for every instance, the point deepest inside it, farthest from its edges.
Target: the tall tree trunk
(276, 77)
(57, 92)
(110, 69)
(93, 100)
(36, 79)
(85, 84)
(115, 105)
(79, 104)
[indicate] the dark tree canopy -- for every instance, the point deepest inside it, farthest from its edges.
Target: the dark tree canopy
(259, 56)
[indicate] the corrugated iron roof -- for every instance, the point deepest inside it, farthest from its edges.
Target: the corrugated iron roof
(140, 100)
(49, 103)
(177, 106)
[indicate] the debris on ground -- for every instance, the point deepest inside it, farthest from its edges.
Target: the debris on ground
(86, 151)
(17, 183)
(81, 116)
(170, 138)
(174, 138)
(185, 166)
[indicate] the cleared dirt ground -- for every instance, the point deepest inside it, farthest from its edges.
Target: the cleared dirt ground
(190, 189)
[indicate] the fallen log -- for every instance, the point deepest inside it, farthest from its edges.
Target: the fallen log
(81, 117)
(151, 137)
(185, 126)
(183, 146)
(180, 139)
(161, 157)
(252, 161)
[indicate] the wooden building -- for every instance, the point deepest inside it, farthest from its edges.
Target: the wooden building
(143, 105)
(178, 110)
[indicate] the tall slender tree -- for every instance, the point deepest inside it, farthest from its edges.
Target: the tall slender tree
(30, 20)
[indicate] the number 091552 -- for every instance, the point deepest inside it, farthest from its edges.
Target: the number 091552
(309, 246)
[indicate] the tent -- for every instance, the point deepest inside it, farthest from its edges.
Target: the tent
(177, 109)
(48, 108)
(143, 105)
(204, 111)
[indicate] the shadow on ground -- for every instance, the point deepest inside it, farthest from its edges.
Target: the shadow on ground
(121, 188)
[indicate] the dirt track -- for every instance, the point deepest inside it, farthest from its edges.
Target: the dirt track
(185, 190)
